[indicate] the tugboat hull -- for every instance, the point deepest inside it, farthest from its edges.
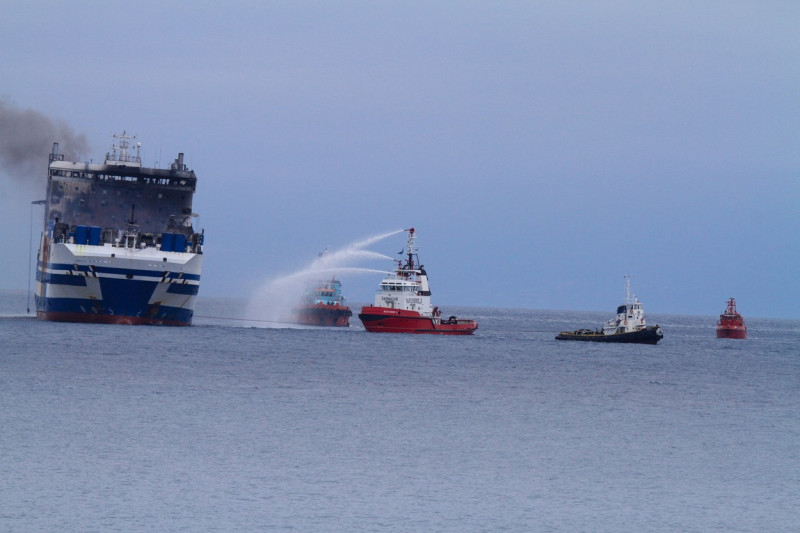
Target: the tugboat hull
(647, 335)
(324, 315)
(386, 320)
(733, 332)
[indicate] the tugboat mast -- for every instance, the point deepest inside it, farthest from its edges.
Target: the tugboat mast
(628, 300)
(410, 245)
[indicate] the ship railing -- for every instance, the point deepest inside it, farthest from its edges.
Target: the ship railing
(119, 158)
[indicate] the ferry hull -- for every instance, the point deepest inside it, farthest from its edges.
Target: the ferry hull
(324, 315)
(386, 320)
(89, 318)
(109, 285)
(648, 335)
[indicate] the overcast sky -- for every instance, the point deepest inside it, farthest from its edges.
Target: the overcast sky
(542, 150)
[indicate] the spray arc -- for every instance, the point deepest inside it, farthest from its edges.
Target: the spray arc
(313, 295)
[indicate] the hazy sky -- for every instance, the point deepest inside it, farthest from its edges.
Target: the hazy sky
(542, 150)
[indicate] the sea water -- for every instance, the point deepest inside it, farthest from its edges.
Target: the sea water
(224, 426)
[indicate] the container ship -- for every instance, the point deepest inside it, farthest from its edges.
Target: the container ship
(731, 323)
(629, 326)
(118, 245)
(323, 305)
(403, 303)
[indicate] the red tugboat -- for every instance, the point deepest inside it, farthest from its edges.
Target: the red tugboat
(323, 305)
(403, 303)
(731, 324)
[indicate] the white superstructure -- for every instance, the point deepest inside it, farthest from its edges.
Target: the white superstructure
(630, 315)
(407, 287)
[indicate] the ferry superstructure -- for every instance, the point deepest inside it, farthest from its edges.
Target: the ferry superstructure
(118, 245)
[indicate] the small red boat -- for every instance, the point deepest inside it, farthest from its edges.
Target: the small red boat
(403, 303)
(323, 305)
(731, 324)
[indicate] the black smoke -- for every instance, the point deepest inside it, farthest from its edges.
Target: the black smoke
(26, 139)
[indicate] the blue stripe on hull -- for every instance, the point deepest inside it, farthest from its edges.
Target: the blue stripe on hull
(61, 279)
(180, 288)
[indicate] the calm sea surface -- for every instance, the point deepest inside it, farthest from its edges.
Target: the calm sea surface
(229, 427)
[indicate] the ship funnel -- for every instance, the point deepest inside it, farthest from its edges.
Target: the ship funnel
(178, 163)
(54, 155)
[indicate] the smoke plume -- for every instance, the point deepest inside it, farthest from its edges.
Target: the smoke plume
(26, 138)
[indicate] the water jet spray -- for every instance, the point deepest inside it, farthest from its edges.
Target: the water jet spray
(273, 303)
